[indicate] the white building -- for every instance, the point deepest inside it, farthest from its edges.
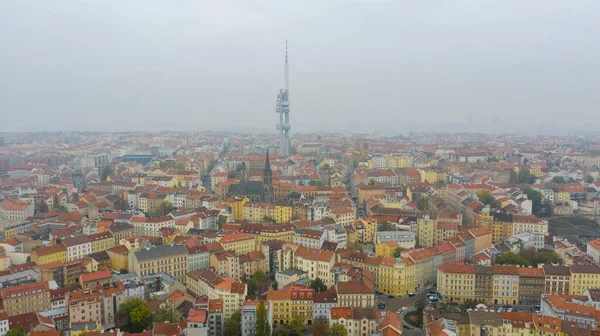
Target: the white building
(593, 250)
(77, 247)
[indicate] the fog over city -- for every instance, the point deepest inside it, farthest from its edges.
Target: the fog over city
(355, 65)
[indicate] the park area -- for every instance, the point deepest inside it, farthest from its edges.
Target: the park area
(414, 319)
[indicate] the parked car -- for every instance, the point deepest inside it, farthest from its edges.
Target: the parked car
(378, 292)
(411, 294)
(391, 297)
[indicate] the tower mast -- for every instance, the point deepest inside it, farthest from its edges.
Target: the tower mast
(282, 107)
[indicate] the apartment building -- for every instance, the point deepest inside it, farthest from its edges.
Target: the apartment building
(77, 247)
(21, 299)
(84, 306)
(171, 259)
(358, 321)
(239, 242)
(316, 263)
(49, 254)
(101, 241)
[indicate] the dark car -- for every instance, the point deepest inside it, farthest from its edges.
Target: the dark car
(391, 297)
(378, 292)
(411, 294)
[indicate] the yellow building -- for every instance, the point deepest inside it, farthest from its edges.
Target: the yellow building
(279, 304)
(283, 213)
(401, 161)
(370, 229)
(171, 259)
(21, 299)
(241, 243)
(456, 282)
(48, 254)
(584, 275)
(236, 203)
(281, 232)
(423, 259)
(391, 277)
(386, 249)
(561, 196)
(505, 285)
(502, 226)
(101, 241)
(428, 176)
(426, 231)
(303, 303)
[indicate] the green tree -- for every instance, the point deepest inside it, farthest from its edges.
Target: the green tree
(420, 304)
(233, 327)
(261, 325)
(315, 183)
(397, 252)
(558, 179)
(469, 303)
(486, 198)
(325, 167)
(163, 209)
(231, 174)
(105, 173)
(589, 179)
(62, 208)
(256, 282)
(163, 315)
(372, 182)
(318, 285)
(75, 198)
(423, 204)
(320, 329)
(338, 330)
(134, 316)
(221, 221)
(282, 332)
(295, 328)
(524, 175)
(511, 258)
(540, 206)
(18, 331)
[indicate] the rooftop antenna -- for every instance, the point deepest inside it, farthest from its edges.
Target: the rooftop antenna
(287, 72)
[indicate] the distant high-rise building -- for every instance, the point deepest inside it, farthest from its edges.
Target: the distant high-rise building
(283, 108)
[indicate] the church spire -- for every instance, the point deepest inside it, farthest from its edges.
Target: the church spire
(267, 164)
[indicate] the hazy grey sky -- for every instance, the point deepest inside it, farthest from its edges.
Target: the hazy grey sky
(360, 64)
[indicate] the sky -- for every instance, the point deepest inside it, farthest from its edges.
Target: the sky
(355, 65)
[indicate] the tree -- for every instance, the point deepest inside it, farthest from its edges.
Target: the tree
(558, 179)
(318, 286)
(123, 271)
(295, 328)
(545, 256)
(163, 315)
(105, 173)
(325, 167)
(221, 220)
(282, 332)
(62, 208)
(315, 183)
(423, 204)
(261, 325)
(163, 209)
(420, 304)
(468, 303)
(43, 207)
(486, 198)
(511, 258)
(397, 252)
(352, 246)
(524, 175)
(133, 316)
(540, 206)
(256, 282)
(372, 182)
(338, 330)
(18, 331)
(74, 198)
(589, 179)
(320, 329)
(233, 327)
(231, 174)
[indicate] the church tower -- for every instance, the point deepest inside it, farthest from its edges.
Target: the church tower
(268, 193)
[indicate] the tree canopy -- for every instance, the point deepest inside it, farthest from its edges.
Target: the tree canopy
(318, 285)
(233, 327)
(423, 204)
(256, 282)
(469, 303)
(163, 209)
(320, 329)
(525, 176)
(486, 198)
(589, 179)
(133, 316)
(529, 257)
(338, 330)
(261, 325)
(540, 206)
(18, 331)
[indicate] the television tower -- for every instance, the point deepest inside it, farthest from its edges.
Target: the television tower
(282, 106)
